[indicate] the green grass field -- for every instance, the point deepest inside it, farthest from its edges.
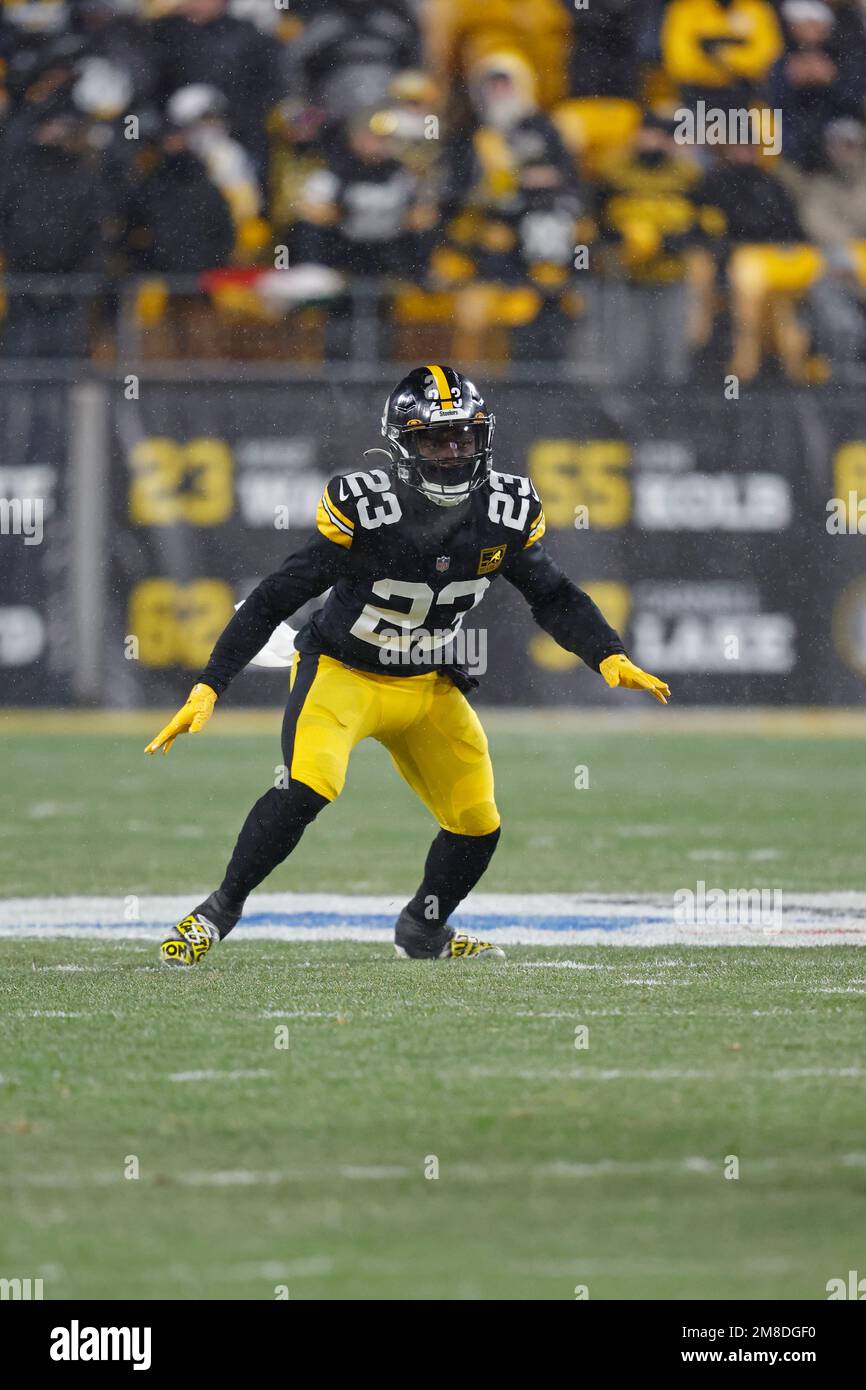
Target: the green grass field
(304, 1166)
(89, 813)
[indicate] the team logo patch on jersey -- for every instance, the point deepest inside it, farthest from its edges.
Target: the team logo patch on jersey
(491, 558)
(443, 562)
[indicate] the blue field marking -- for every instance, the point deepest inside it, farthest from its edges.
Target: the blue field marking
(323, 921)
(479, 923)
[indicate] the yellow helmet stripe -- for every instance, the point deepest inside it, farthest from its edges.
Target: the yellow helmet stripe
(442, 386)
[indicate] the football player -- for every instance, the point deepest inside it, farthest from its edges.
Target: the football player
(406, 550)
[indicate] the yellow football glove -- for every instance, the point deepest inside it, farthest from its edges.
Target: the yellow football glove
(618, 670)
(194, 715)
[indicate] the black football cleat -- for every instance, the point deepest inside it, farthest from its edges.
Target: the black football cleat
(414, 941)
(196, 933)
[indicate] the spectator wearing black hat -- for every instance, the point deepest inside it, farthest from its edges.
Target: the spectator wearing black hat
(645, 204)
(364, 215)
(356, 215)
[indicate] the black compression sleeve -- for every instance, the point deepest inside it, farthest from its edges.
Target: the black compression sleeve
(304, 575)
(560, 607)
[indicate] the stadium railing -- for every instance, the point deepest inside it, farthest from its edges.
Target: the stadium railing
(92, 325)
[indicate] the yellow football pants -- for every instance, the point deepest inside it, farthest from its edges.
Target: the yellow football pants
(429, 728)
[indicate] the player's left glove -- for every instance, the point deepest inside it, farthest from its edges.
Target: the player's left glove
(192, 717)
(618, 670)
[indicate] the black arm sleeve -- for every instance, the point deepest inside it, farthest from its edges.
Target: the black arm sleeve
(560, 607)
(311, 570)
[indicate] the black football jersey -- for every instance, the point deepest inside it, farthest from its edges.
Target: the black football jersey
(403, 573)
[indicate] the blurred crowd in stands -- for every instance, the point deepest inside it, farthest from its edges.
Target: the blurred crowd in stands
(495, 167)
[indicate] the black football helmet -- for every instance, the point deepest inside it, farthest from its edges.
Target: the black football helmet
(440, 434)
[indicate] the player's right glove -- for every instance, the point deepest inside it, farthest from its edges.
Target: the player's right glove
(618, 670)
(194, 715)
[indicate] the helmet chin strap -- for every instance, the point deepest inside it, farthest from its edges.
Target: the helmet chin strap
(444, 501)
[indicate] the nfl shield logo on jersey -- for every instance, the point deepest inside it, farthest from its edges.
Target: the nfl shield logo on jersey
(442, 563)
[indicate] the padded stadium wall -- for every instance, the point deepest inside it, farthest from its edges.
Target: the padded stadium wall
(706, 529)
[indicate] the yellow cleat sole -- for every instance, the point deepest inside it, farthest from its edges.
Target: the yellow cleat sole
(176, 953)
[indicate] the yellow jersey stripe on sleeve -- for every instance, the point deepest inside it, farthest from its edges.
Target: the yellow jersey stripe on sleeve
(336, 515)
(330, 528)
(536, 530)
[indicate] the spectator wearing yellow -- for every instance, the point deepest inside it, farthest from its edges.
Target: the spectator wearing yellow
(460, 32)
(713, 45)
(414, 116)
(512, 244)
(509, 129)
(645, 205)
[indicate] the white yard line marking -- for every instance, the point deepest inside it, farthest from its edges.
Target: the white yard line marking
(378, 1172)
(805, 1073)
(734, 1073)
(306, 1267)
(561, 965)
(541, 919)
(240, 1177)
(297, 1013)
(565, 1169)
(573, 1014)
(52, 1013)
(219, 1075)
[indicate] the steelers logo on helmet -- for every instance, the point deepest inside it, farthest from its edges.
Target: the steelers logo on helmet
(440, 432)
